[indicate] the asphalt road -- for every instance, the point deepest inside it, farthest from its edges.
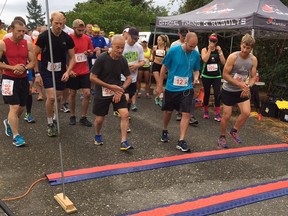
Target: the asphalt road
(121, 194)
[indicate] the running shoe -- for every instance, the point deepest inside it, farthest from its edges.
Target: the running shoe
(52, 130)
(72, 120)
(178, 116)
(193, 121)
(164, 137)
(28, 117)
(116, 113)
(235, 136)
(65, 108)
(222, 142)
(148, 96)
(157, 100)
(128, 130)
(8, 130)
(124, 146)
(182, 145)
(218, 118)
(206, 115)
(84, 121)
(160, 103)
(134, 107)
(92, 91)
(98, 140)
(18, 141)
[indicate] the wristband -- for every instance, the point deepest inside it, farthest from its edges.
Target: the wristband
(220, 54)
(37, 74)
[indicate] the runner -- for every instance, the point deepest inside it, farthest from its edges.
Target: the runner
(80, 77)
(62, 43)
(239, 74)
(109, 89)
(15, 86)
(183, 64)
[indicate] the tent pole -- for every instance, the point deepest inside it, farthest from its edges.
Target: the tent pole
(231, 44)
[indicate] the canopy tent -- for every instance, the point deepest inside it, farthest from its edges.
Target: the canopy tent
(233, 16)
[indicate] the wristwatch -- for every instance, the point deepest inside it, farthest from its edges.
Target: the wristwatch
(26, 68)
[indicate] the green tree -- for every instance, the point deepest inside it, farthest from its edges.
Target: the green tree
(35, 17)
(114, 15)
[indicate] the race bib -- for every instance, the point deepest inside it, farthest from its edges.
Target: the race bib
(80, 57)
(160, 52)
(7, 87)
(107, 92)
(240, 78)
(57, 66)
(147, 63)
(212, 67)
(180, 81)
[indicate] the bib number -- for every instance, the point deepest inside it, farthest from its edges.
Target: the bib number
(240, 78)
(212, 67)
(57, 66)
(80, 57)
(107, 92)
(180, 81)
(7, 87)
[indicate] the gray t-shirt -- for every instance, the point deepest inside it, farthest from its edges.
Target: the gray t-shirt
(109, 70)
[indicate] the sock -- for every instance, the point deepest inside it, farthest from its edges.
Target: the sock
(29, 103)
(217, 110)
(205, 108)
(233, 130)
(50, 120)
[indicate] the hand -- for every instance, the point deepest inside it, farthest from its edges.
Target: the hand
(133, 67)
(39, 80)
(196, 81)
(219, 49)
(159, 89)
(19, 69)
(65, 77)
(245, 94)
(116, 98)
(117, 89)
(72, 74)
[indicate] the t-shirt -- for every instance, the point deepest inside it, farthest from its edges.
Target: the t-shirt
(82, 44)
(181, 66)
(2, 33)
(60, 45)
(98, 41)
(109, 71)
(133, 54)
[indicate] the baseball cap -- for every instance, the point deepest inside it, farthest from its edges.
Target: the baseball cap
(213, 37)
(133, 32)
(96, 29)
(111, 34)
(34, 34)
(144, 40)
(183, 31)
(126, 30)
(1, 21)
(78, 23)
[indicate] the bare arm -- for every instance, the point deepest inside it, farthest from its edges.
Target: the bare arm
(31, 56)
(253, 71)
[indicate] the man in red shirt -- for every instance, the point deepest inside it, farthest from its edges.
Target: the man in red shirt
(80, 77)
(15, 86)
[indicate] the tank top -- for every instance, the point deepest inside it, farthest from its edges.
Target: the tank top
(16, 53)
(146, 58)
(211, 68)
(241, 71)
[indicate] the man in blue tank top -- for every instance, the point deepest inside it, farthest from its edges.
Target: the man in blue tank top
(239, 74)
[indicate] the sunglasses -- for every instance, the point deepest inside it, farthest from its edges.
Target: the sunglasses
(213, 41)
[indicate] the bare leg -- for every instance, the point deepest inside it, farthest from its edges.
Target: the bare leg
(245, 109)
(184, 124)
(227, 112)
(124, 123)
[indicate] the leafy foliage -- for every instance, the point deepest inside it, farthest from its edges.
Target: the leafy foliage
(115, 15)
(35, 17)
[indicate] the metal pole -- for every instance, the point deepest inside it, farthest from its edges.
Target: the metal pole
(6, 209)
(55, 96)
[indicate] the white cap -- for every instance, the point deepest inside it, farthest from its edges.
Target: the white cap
(144, 40)
(34, 34)
(126, 30)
